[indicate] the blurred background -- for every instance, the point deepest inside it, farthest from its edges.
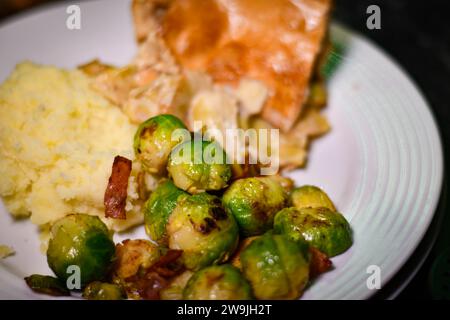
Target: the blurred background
(417, 35)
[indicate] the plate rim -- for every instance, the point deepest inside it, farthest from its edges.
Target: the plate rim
(410, 81)
(434, 127)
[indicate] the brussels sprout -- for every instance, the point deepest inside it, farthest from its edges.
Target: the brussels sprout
(103, 291)
(223, 282)
(158, 208)
(310, 197)
(276, 267)
(322, 228)
(254, 202)
(197, 166)
(80, 240)
(47, 285)
(205, 232)
(153, 141)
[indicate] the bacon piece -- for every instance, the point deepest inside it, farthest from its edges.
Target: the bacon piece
(158, 276)
(320, 263)
(147, 283)
(116, 191)
(154, 284)
(166, 266)
(147, 287)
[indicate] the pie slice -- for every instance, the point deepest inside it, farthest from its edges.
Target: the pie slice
(276, 42)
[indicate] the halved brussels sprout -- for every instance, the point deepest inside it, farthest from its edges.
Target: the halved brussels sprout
(254, 203)
(310, 197)
(223, 282)
(197, 166)
(276, 266)
(153, 141)
(158, 208)
(322, 228)
(80, 240)
(103, 291)
(205, 232)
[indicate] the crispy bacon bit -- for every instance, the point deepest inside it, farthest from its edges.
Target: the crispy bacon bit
(167, 265)
(155, 283)
(116, 191)
(158, 276)
(147, 287)
(320, 263)
(147, 284)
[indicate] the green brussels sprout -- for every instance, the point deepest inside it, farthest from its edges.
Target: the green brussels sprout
(80, 240)
(103, 291)
(153, 141)
(322, 228)
(197, 166)
(47, 285)
(310, 197)
(158, 208)
(254, 203)
(276, 266)
(205, 232)
(223, 282)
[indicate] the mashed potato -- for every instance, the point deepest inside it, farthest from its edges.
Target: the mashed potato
(58, 139)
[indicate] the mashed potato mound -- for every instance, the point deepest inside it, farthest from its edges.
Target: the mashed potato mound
(58, 139)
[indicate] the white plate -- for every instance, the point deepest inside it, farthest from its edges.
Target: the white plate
(382, 162)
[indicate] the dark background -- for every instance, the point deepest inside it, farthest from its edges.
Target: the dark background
(417, 35)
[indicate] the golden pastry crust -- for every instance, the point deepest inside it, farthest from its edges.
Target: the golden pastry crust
(276, 42)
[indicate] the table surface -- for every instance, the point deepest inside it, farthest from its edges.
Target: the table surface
(417, 35)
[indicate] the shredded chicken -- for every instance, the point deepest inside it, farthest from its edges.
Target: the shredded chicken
(293, 144)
